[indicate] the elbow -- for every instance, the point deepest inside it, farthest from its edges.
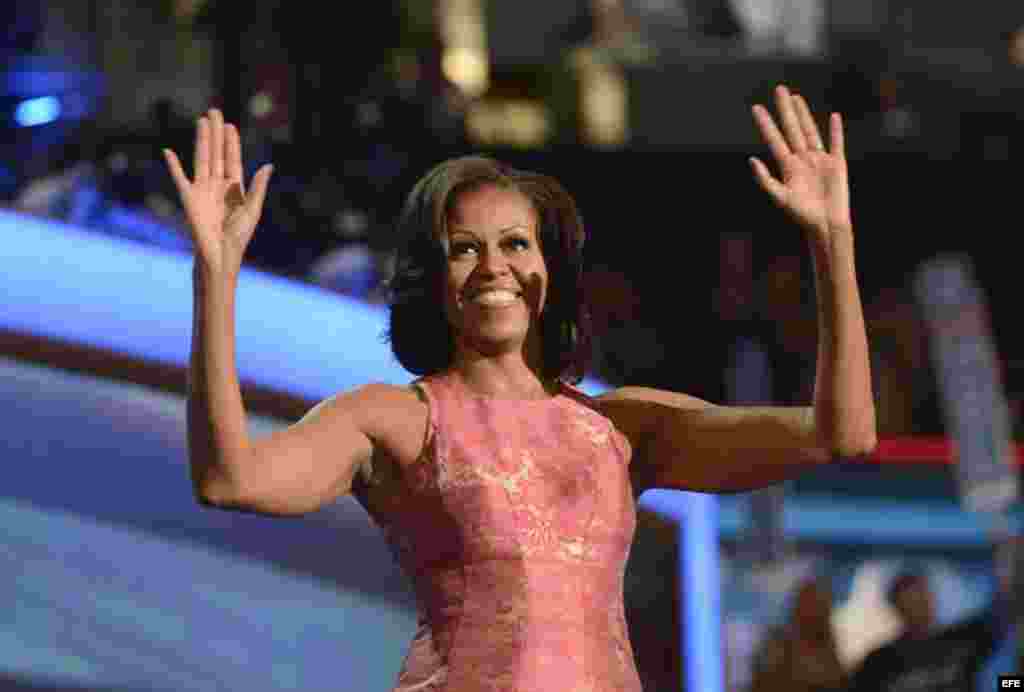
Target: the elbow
(218, 481)
(212, 495)
(853, 436)
(855, 447)
(216, 491)
(226, 497)
(854, 444)
(211, 488)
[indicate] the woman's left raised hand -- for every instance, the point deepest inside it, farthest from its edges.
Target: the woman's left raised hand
(813, 189)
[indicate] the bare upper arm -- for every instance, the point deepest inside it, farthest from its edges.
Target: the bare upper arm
(686, 443)
(637, 411)
(315, 460)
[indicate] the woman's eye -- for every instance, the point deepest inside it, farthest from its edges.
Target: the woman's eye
(461, 248)
(520, 243)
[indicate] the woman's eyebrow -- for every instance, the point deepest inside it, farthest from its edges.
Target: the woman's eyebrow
(516, 227)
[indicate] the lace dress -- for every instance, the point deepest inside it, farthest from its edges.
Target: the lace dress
(514, 527)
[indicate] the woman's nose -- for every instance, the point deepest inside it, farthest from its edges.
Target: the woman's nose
(493, 261)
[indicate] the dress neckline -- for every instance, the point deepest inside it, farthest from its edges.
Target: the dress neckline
(468, 393)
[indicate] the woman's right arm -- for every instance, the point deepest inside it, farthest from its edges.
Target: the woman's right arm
(295, 470)
(289, 472)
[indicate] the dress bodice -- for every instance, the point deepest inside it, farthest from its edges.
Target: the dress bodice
(514, 528)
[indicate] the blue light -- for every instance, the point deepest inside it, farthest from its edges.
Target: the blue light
(700, 583)
(37, 111)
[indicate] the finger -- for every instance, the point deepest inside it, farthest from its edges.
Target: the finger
(790, 121)
(836, 138)
(258, 189)
(201, 157)
(233, 152)
(770, 133)
(768, 183)
(216, 143)
(810, 128)
(177, 173)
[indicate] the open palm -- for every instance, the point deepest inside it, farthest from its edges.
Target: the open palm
(221, 215)
(814, 187)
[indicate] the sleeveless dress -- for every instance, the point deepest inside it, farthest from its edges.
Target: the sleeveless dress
(514, 527)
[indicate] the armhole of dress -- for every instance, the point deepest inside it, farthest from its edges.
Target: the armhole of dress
(621, 442)
(430, 434)
(623, 445)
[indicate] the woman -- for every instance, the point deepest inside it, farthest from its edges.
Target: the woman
(507, 493)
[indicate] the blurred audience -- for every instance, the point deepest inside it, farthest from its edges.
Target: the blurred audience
(787, 304)
(906, 390)
(747, 373)
(801, 655)
(795, 27)
(627, 348)
(930, 658)
(105, 187)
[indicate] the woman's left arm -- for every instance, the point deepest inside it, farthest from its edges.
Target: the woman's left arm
(682, 442)
(814, 191)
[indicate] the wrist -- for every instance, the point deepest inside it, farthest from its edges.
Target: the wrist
(826, 238)
(208, 272)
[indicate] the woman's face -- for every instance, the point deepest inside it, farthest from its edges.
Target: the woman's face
(496, 279)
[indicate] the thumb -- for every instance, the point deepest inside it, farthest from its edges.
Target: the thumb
(258, 189)
(768, 183)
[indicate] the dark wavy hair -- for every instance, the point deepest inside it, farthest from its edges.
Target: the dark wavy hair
(419, 332)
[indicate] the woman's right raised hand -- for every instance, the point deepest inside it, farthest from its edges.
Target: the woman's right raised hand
(222, 216)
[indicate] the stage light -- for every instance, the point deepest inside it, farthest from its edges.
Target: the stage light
(465, 60)
(467, 69)
(37, 111)
(520, 123)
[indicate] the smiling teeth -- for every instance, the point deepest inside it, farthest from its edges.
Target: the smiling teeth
(495, 298)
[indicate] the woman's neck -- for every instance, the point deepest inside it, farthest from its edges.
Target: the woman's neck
(514, 374)
(502, 377)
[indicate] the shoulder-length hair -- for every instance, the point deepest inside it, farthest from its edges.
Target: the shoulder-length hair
(420, 334)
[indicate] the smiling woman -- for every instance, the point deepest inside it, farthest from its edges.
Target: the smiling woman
(506, 493)
(449, 221)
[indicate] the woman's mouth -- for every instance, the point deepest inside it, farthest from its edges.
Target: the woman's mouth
(495, 298)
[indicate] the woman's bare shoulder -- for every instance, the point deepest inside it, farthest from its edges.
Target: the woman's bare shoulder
(377, 406)
(394, 417)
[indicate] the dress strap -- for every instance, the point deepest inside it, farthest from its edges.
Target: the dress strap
(422, 390)
(432, 393)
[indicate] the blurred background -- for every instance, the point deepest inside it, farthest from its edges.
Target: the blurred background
(642, 109)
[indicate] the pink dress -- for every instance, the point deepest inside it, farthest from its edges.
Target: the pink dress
(514, 528)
